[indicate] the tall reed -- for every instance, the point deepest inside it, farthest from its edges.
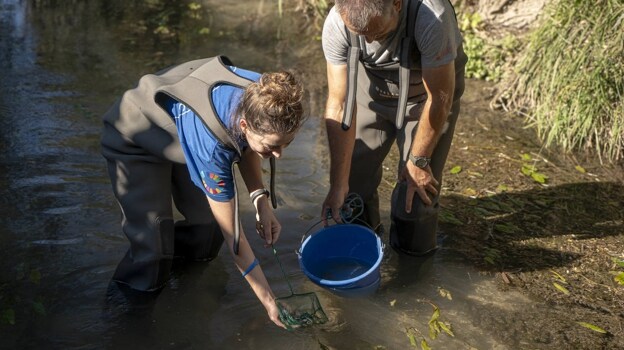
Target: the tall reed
(570, 78)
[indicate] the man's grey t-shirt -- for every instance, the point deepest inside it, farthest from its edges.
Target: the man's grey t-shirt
(436, 35)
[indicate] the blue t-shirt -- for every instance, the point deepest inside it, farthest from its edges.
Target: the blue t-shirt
(208, 161)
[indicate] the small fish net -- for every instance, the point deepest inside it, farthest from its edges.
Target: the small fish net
(299, 310)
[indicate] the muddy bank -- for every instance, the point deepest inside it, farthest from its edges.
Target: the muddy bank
(556, 241)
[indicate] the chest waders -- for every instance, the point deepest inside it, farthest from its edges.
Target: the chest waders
(404, 66)
(195, 92)
(148, 169)
(383, 109)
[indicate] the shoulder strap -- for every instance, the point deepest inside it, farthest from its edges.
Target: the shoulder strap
(353, 58)
(195, 92)
(405, 61)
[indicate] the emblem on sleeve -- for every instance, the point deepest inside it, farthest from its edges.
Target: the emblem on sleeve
(213, 184)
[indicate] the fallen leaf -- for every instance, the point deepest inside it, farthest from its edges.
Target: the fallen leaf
(445, 293)
(592, 327)
(411, 337)
(469, 192)
(502, 188)
(538, 177)
(561, 288)
(559, 277)
(619, 278)
(446, 328)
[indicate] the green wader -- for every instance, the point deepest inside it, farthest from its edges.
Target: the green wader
(381, 122)
(148, 169)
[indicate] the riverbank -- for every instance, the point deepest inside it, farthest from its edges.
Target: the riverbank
(558, 241)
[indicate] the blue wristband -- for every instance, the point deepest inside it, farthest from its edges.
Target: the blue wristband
(251, 267)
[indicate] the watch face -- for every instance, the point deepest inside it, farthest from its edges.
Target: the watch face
(421, 162)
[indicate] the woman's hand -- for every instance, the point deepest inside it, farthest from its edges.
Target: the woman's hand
(273, 312)
(267, 225)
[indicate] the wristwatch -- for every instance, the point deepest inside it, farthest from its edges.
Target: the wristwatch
(421, 162)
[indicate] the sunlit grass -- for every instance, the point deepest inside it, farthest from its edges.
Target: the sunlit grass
(570, 79)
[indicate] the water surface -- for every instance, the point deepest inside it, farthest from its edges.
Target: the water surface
(62, 64)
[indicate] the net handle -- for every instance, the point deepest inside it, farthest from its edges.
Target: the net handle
(282, 268)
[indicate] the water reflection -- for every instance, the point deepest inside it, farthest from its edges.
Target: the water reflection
(63, 63)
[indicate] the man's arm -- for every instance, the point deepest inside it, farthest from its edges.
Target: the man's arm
(341, 142)
(440, 84)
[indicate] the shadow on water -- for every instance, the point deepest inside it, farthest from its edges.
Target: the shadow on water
(65, 62)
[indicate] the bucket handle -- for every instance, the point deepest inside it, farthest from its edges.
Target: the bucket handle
(350, 211)
(305, 234)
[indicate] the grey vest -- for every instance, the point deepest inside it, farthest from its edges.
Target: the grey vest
(195, 92)
(139, 117)
(139, 110)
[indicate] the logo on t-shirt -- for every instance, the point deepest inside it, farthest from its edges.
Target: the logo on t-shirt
(214, 184)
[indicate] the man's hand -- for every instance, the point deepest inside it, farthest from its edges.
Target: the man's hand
(419, 181)
(332, 205)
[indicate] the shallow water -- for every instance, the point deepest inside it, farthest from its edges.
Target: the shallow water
(62, 64)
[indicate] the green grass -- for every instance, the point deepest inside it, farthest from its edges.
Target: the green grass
(569, 80)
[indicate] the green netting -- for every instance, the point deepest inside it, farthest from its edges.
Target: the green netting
(299, 310)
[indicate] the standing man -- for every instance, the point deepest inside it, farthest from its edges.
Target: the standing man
(395, 71)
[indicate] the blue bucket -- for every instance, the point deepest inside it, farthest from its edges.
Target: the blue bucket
(343, 258)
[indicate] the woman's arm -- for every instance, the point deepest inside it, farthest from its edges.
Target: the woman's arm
(250, 167)
(224, 214)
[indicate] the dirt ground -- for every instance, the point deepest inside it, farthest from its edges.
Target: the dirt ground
(558, 242)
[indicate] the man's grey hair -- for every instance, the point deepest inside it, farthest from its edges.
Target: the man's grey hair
(358, 13)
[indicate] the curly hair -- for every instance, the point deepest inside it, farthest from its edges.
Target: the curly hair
(272, 105)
